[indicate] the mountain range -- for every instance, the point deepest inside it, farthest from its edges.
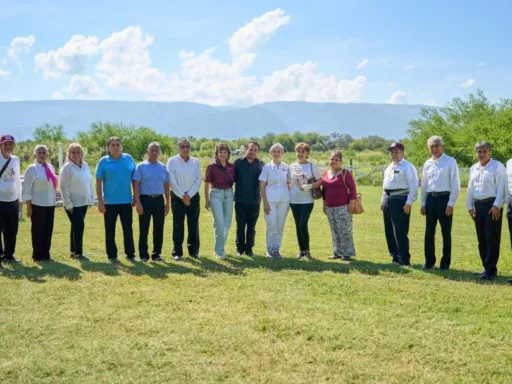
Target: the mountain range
(199, 120)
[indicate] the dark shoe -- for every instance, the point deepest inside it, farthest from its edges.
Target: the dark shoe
(11, 260)
(444, 268)
(427, 267)
(131, 259)
(113, 260)
(82, 258)
(487, 277)
(144, 260)
(277, 255)
(300, 255)
(509, 281)
(334, 257)
(195, 257)
(158, 258)
(177, 258)
(249, 253)
(49, 259)
(346, 258)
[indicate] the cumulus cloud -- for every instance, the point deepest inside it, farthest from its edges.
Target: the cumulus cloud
(397, 97)
(20, 45)
(83, 87)
(4, 74)
(57, 95)
(363, 63)
(468, 83)
(70, 59)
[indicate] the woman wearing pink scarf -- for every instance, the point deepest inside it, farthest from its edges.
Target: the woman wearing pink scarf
(39, 188)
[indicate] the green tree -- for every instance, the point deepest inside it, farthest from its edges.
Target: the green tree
(47, 134)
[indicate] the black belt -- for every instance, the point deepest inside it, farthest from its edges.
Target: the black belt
(488, 200)
(394, 192)
(152, 196)
(434, 194)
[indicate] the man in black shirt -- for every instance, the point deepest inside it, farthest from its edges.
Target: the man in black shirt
(247, 198)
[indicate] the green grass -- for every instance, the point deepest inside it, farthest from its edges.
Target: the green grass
(270, 321)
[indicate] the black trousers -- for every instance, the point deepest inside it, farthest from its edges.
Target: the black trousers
(246, 216)
(396, 226)
(42, 230)
(8, 227)
(179, 212)
(124, 211)
(509, 217)
(76, 236)
(435, 208)
(488, 232)
(154, 207)
(301, 215)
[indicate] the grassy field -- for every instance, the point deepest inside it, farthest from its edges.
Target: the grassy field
(268, 321)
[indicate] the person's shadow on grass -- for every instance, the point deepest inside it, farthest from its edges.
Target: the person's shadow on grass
(40, 271)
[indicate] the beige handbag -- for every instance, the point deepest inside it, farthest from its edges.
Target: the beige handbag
(355, 206)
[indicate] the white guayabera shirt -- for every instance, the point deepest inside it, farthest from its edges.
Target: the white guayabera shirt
(440, 175)
(486, 182)
(509, 177)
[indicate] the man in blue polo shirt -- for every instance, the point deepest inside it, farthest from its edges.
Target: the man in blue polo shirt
(114, 189)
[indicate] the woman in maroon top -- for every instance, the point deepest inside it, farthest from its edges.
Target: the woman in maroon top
(339, 188)
(218, 183)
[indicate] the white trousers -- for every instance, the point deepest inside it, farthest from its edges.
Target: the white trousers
(275, 224)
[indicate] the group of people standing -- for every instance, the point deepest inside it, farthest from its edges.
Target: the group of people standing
(155, 189)
(489, 189)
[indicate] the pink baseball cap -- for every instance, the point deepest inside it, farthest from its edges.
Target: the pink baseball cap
(7, 138)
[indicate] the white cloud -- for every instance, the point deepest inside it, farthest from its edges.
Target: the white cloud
(20, 45)
(4, 74)
(363, 63)
(57, 95)
(301, 82)
(83, 87)
(70, 59)
(397, 97)
(468, 83)
(391, 84)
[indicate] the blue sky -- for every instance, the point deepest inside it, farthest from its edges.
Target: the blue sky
(242, 53)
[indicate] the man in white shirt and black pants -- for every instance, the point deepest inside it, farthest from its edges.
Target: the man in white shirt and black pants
(487, 191)
(10, 197)
(400, 191)
(440, 187)
(185, 177)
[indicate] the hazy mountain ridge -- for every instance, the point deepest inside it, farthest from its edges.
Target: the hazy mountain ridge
(200, 120)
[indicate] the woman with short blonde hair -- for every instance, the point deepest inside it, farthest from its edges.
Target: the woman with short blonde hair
(77, 195)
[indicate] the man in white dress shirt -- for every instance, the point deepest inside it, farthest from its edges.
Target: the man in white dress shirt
(400, 191)
(10, 198)
(185, 177)
(440, 187)
(487, 191)
(509, 210)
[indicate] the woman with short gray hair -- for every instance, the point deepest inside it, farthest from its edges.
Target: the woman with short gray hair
(39, 186)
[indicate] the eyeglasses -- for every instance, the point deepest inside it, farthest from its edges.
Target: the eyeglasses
(184, 146)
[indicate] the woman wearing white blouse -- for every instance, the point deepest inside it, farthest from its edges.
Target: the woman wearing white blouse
(275, 183)
(77, 194)
(39, 188)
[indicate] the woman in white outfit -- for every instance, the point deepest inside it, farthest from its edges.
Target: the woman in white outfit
(77, 194)
(275, 183)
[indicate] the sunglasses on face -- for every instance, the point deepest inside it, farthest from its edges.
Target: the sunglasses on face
(184, 146)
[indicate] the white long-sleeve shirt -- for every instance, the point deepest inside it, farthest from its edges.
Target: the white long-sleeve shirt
(486, 182)
(402, 175)
(37, 188)
(509, 177)
(185, 176)
(10, 182)
(440, 175)
(76, 185)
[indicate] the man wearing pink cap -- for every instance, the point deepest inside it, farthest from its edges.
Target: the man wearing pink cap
(10, 197)
(400, 191)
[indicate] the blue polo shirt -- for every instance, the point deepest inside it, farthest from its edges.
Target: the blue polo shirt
(152, 177)
(117, 178)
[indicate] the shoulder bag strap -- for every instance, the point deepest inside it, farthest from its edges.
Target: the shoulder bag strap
(343, 176)
(5, 167)
(228, 180)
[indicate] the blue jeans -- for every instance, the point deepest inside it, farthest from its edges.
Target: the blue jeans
(221, 203)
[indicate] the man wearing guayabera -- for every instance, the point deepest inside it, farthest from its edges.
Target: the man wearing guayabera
(486, 195)
(400, 192)
(440, 187)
